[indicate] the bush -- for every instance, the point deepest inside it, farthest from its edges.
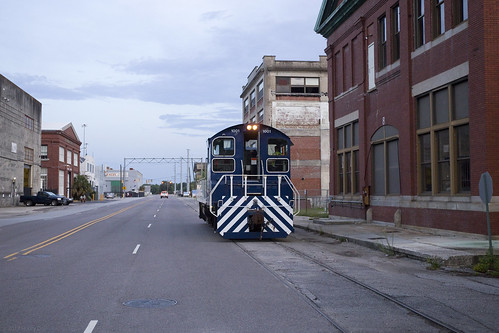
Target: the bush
(488, 264)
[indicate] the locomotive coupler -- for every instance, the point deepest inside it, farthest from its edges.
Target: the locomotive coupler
(255, 220)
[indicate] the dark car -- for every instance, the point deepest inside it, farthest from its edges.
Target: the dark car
(42, 197)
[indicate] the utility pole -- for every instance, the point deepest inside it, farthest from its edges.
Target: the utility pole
(188, 173)
(84, 141)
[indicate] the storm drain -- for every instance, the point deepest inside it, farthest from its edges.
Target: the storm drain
(150, 303)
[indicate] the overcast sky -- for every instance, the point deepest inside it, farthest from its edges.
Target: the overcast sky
(149, 78)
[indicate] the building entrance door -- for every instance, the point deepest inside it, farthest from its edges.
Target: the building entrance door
(27, 179)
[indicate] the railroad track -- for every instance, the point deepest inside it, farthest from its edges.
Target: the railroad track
(430, 320)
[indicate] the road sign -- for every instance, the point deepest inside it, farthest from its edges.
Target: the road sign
(485, 187)
(485, 190)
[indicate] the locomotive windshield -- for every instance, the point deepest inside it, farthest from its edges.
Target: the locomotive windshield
(223, 147)
(277, 147)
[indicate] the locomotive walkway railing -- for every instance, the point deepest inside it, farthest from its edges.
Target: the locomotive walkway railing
(246, 185)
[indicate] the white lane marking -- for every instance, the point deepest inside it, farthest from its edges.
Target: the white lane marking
(91, 326)
(136, 249)
(154, 215)
(158, 210)
(149, 226)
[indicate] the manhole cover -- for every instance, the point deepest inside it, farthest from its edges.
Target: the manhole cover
(150, 303)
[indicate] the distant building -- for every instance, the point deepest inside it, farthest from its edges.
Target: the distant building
(87, 168)
(199, 171)
(132, 180)
(20, 135)
(292, 97)
(414, 110)
(60, 155)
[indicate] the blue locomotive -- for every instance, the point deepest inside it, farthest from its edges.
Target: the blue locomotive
(247, 193)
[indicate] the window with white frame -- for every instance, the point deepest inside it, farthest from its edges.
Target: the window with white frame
(260, 90)
(44, 152)
(61, 154)
(252, 99)
(419, 30)
(43, 178)
(438, 17)
(382, 42)
(459, 11)
(246, 105)
(395, 32)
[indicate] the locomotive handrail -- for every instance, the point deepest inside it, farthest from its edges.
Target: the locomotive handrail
(244, 184)
(296, 196)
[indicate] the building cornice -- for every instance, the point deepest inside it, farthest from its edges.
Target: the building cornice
(327, 25)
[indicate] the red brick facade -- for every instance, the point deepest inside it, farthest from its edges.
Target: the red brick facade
(417, 174)
(62, 162)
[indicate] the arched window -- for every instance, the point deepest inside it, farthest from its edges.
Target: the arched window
(386, 176)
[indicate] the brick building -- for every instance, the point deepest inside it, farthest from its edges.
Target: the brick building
(414, 110)
(291, 96)
(60, 155)
(20, 134)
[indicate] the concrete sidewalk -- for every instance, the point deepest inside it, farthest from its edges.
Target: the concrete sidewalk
(446, 248)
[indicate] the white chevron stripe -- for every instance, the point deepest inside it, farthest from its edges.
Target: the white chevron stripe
(225, 205)
(221, 211)
(229, 214)
(277, 220)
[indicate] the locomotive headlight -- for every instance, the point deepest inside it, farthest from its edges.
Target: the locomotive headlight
(255, 127)
(248, 127)
(252, 127)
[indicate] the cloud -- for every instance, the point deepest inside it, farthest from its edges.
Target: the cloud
(151, 77)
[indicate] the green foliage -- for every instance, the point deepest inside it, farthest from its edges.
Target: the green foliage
(488, 264)
(434, 263)
(81, 186)
(155, 189)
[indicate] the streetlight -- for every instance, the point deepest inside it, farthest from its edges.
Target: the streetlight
(14, 191)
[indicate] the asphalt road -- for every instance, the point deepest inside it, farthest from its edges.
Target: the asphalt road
(139, 265)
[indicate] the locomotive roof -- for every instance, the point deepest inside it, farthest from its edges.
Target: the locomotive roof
(242, 126)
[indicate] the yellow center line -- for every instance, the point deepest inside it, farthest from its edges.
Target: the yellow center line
(68, 233)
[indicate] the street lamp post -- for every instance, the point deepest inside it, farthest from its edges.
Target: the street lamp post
(14, 191)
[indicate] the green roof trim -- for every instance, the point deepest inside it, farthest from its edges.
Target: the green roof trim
(330, 19)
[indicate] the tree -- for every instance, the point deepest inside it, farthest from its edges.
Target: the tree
(81, 186)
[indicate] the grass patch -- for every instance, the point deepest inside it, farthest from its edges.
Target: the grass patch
(314, 212)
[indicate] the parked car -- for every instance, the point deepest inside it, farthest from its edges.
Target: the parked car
(66, 201)
(110, 195)
(42, 197)
(164, 194)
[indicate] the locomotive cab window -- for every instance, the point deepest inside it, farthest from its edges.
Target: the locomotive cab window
(223, 165)
(277, 165)
(223, 147)
(277, 147)
(251, 156)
